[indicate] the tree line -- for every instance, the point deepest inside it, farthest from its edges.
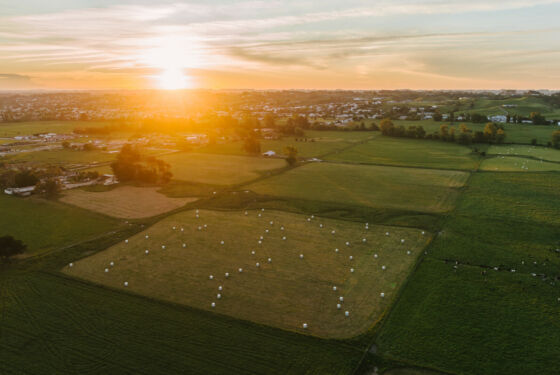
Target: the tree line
(492, 133)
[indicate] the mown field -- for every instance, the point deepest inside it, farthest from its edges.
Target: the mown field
(286, 292)
(373, 186)
(542, 153)
(45, 225)
(517, 164)
(219, 169)
(313, 144)
(127, 202)
(56, 325)
(409, 152)
(488, 288)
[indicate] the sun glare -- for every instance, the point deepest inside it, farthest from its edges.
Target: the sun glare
(173, 79)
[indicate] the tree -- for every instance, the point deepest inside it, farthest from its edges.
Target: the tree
(9, 247)
(478, 118)
(27, 177)
(438, 116)
(490, 132)
(269, 121)
(291, 154)
(49, 188)
(537, 118)
(444, 131)
(500, 136)
(387, 127)
(252, 145)
(556, 139)
(132, 165)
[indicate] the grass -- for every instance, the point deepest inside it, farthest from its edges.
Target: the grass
(45, 225)
(62, 157)
(219, 169)
(515, 133)
(372, 186)
(507, 320)
(318, 143)
(285, 293)
(127, 202)
(517, 164)
(536, 152)
(55, 325)
(13, 129)
(410, 152)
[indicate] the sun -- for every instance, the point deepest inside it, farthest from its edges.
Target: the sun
(173, 79)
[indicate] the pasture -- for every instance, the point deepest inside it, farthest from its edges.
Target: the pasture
(127, 202)
(536, 152)
(289, 267)
(497, 253)
(219, 169)
(61, 157)
(52, 324)
(313, 144)
(517, 164)
(515, 133)
(368, 185)
(12, 129)
(409, 152)
(45, 225)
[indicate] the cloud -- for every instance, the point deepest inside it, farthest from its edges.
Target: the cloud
(275, 36)
(15, 81)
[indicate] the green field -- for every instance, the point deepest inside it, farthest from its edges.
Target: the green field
(56, 325)
(128, 202)
(283, 293)
(536, 152)
(318, 143)
(409, 152)
(515, 133)
(372, 186)
(219, 169)
(13, 129)
(45, 225)
(507, 320)
(517, 164)
(62, 157)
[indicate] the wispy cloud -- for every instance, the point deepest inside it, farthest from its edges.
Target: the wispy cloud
(401, 38)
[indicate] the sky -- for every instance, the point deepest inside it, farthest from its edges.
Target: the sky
(300, 44)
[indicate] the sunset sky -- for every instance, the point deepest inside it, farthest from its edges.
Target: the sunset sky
(350, 44)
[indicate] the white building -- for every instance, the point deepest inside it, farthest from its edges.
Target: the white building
(498, 118)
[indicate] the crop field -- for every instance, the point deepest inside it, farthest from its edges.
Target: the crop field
(286, 282)
(126, 202)
(536, 152)
(34, 127)
(45, 225)
(318, 143)
(373, 186)
(517, 164)
(409, 152)
(56, 325)
(219, 169)
(497, 253)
